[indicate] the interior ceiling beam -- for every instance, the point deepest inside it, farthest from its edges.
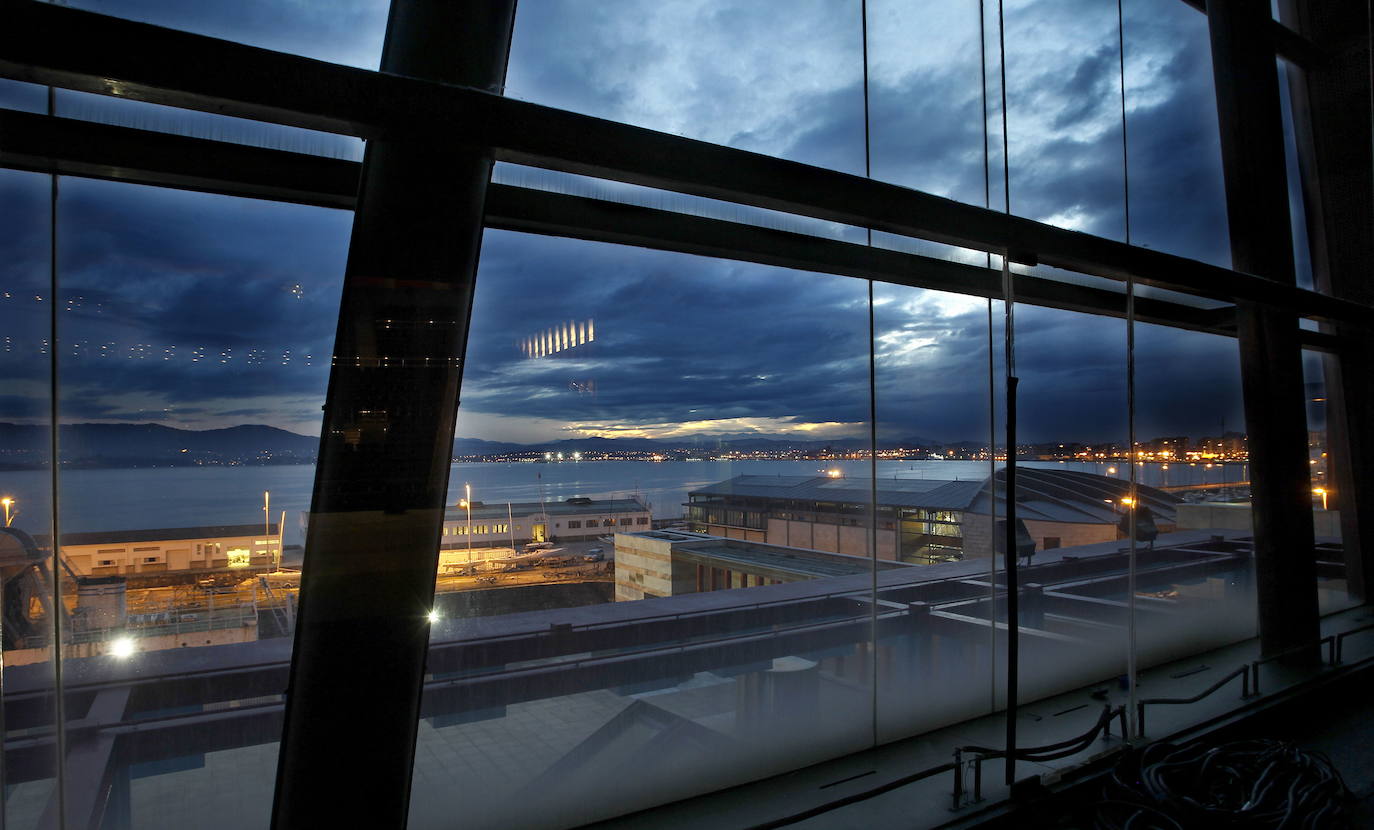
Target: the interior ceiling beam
(66, 146)
(73, 49)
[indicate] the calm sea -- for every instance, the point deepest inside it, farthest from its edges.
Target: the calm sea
(184, 497)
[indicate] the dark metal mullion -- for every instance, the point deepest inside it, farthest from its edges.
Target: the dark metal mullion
(80, 50)
(367, 585)
(1250, 121)
(1331, 117)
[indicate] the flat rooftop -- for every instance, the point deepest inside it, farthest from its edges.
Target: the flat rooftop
(755, 556)
(1041, 494)
(498, 510)
(161, 534)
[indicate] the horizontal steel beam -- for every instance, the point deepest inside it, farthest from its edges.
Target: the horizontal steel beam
(74, 49)
(67, 146)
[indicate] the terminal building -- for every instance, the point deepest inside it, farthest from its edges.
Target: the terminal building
(920, 521)
(575, 519)
(659, 563)
(164, 554)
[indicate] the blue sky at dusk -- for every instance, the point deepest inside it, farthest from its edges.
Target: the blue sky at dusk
(199, 311)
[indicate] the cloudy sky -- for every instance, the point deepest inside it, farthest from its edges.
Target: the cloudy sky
(202, 311)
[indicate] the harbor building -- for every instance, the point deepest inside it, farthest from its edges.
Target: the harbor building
(658, 563)
(920, 521)
(166, 554)
(574, 519)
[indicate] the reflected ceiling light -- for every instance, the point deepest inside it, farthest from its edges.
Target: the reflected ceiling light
(122, 647)
(558, 338)
(433, 617)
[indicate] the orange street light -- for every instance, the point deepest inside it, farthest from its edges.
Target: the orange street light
(1320, 491)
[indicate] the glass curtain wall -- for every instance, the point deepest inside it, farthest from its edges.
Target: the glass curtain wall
(29, 601)
(661, 462)
(708, 521)
(192, 337)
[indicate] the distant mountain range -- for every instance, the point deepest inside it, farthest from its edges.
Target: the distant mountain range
(25, 446)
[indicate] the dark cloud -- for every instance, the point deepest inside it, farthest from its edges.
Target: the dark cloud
(678, 338)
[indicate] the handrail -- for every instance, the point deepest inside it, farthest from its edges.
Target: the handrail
(1329, 641)
(1340, 641)
(1048, 752)
(1243, 672)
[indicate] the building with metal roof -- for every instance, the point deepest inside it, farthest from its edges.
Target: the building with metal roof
(921, 521)
(504, 523)
(659, 563)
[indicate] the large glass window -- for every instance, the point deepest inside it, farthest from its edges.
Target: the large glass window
(26, 564)
(707, 520)
(607, 387)
(194, 337)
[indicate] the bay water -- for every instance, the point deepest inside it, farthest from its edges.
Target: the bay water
(127, 499)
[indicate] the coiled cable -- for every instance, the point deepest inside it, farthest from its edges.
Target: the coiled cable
(1244, 784)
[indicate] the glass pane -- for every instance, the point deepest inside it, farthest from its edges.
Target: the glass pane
(926, 100)
(938, 648)
(17, 95)
(1064, 115)
(1297, 202)
(26, 563)
(657, 562)
(1195, 589)
(779, 77)
(1326, 452)
(1074, 492)
(1178, 195)
(345, 31)
(194, 336)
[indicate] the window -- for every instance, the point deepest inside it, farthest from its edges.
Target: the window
(840, 427)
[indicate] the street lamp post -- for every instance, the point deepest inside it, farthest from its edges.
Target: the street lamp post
(467, 490)
(267, 519)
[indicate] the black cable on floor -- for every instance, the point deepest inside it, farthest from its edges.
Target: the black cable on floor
(1245, 784)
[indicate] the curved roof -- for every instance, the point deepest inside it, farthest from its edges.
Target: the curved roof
(1045, 495)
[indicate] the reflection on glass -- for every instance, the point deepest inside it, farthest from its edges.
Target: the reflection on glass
(621, 590)
(1325, 453)
(193, 336)
(26, 571)
(1195, 589)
